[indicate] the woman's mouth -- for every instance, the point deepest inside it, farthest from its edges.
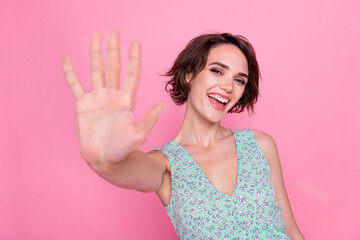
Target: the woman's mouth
(217, 101)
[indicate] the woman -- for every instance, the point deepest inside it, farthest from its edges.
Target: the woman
(215, 183)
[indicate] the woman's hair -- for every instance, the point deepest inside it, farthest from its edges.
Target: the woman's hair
(193, 58)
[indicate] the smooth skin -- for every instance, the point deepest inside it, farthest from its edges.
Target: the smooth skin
(109, 137)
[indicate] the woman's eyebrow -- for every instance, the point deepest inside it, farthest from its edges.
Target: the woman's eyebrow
(243, 75)
(219, 64)
(227, 68)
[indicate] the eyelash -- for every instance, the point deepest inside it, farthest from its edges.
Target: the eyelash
(214, 70)
(239, 80)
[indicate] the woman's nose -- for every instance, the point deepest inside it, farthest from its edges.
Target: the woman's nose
(226, 84)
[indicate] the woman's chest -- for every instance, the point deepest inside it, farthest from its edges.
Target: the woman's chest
(220, 167)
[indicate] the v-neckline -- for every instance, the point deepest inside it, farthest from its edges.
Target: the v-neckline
(203, 173)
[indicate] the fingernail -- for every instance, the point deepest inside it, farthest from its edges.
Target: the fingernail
(114, 34)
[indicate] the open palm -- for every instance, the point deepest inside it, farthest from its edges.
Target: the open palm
(105, 124)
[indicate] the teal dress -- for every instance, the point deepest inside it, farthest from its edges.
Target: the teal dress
(199, 211)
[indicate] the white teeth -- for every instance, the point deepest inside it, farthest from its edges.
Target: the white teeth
(220, 99)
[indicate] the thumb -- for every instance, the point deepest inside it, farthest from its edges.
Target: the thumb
(151, 117)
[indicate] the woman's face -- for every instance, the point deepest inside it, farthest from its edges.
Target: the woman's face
(220, 85)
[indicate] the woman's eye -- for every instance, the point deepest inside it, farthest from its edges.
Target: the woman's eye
(214, 70)
(239, 80)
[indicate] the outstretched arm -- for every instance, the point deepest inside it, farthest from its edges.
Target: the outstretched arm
(107, 133)
(269, 149)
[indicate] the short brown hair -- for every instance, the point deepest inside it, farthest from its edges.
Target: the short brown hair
(193, 58)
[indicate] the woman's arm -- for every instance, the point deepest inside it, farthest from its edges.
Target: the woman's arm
(269, 149)
(105, 125)
(138, 171)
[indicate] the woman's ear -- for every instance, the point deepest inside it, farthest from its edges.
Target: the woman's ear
(188, 77)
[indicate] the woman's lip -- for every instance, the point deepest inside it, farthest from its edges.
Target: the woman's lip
(221, 95)
(216, 104)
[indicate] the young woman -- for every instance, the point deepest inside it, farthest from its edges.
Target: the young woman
(215, 183)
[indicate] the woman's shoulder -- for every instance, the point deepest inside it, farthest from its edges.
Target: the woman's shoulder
(267, 145)
(159, 155)
(263, 137)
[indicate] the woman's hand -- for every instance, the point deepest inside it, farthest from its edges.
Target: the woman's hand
(105, 124)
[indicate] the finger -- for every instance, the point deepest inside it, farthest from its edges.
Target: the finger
(71, 77)
(97, 67)
(113, 61)
(134, 69)
(150, 118)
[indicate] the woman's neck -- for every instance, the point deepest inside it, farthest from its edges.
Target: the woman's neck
(196, 131)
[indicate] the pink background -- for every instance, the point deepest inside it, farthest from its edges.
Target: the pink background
(308, 53)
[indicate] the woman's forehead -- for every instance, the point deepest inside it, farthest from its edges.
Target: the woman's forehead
(228, 54)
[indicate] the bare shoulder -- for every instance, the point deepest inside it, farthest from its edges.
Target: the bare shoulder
(159, 157)
(263, 139)
(267, 145)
